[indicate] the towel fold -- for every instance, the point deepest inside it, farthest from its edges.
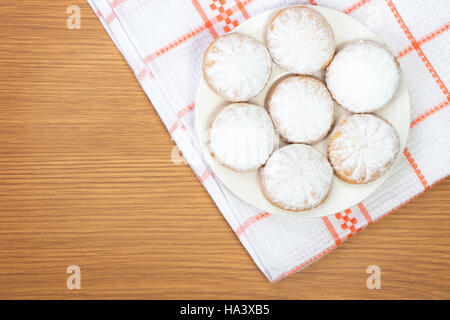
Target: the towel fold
(164, 42)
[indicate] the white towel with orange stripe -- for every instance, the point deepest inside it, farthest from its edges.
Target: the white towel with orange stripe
(164, 41)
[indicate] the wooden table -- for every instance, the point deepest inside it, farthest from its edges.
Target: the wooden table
(86, 179)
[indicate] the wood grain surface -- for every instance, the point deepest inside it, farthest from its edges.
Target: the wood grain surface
(86, 179)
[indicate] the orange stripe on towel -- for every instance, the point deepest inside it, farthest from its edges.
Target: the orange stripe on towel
(365, 213)
(425, 39)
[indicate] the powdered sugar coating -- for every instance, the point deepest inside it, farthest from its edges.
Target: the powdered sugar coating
(363, 76)
(296, 177)
(237, 67)
(300, 40)
(242, 137)
(363, 148)
(301, 108)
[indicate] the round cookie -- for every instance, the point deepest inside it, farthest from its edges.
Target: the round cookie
(363, 76)
(296, 177)
(362, 148)
(301, 108)
(237, 67)
(300, 40)
(242, 137)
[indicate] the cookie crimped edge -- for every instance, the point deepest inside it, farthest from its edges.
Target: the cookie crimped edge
(279, 205)
(207, 79)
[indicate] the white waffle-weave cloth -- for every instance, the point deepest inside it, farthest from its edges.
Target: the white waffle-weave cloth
(164, 42)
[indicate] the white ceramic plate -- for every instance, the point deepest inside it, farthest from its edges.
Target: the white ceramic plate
(247, 185)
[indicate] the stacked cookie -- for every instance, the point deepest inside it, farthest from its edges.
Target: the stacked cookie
(362, 77)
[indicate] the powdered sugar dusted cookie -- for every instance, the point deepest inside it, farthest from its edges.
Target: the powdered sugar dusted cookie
(363, 76)
(237, 67)
(362, 148)
(242, 137)
(300, 40)
(296, 177)
(301, 108)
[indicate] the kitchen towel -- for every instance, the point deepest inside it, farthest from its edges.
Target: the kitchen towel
(164, 42)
